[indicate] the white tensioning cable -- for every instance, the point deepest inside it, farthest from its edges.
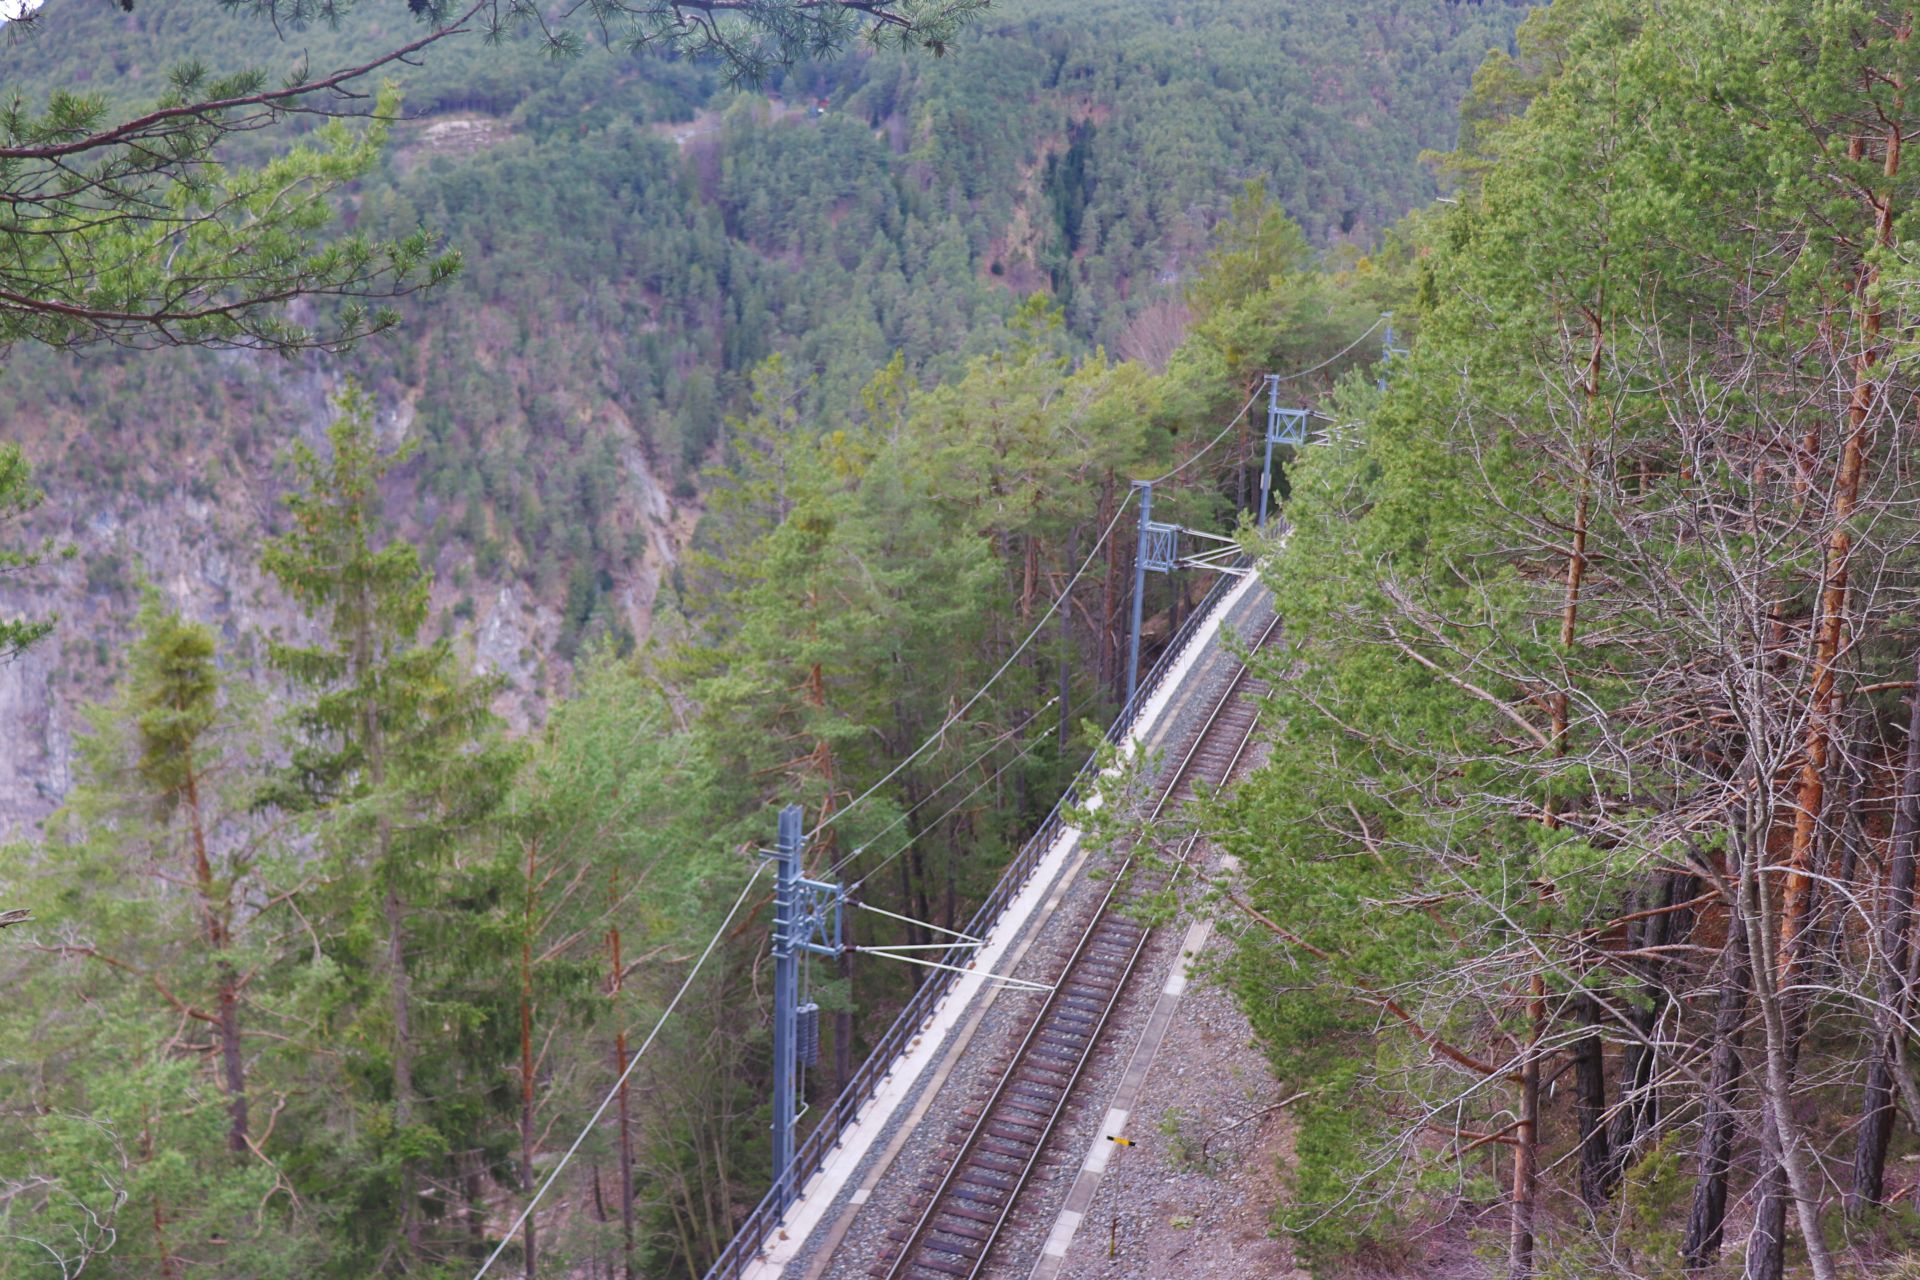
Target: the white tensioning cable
(954, 719)
(613, 1092)
(882, 911)
(1022, 983)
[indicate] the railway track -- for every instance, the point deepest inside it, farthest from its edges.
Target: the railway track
(960, 1218)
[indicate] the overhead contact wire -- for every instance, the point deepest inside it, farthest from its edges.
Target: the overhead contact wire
(953, 719)
(1106, 533)
(951, 810)
(1289, 377)
(962, 772)
(607, 1101)
(1237, 419)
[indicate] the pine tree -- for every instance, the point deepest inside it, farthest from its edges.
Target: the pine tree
(616, 840)
(18, 497)
(165, 925)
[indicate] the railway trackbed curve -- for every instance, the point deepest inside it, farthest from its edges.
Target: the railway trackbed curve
(960, 1217)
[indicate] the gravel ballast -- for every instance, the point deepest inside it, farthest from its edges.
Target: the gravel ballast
(974, 1059)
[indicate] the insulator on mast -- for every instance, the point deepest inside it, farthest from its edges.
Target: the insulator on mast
(806, 1034)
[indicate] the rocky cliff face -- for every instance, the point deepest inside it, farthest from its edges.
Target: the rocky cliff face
(190, 521)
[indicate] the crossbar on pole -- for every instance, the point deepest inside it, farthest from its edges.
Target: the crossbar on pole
(895, 915)
(954, 968)
(925, 946)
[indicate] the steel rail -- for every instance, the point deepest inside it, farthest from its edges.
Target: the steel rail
(973, 1250)
(750, 1237)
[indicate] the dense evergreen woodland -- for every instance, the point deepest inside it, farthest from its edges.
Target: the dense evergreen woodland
(1575, 900)
(1579, 891)
(636, 240)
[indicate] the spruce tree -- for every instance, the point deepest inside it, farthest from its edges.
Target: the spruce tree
(396, 751)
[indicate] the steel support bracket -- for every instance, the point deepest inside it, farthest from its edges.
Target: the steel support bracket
(806, 919)
(1388, 351)
(1286, 426)
(1160, 547)
(811, 921)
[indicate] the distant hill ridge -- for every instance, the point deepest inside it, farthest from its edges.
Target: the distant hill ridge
(627, 270)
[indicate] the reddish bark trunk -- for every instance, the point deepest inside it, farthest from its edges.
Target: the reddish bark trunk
(1831, 618)
(615, 980)
(1526, 1146)
(214, 909)
(1877, 1110)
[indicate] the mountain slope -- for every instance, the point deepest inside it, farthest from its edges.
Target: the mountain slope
(637, 241)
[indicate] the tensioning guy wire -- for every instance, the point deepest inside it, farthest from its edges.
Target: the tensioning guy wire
(613, 1092)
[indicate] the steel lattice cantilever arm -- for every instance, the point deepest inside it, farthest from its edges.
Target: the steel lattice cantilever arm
(1286, 426)
(1160, 547)
(813, 921)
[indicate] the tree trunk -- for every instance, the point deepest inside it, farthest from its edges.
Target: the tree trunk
(1589, 1059)
(1832, 615)
(950, 898)
(394, 912)
(922, 904)
(1896, 950)
(626, 1155)
(1590, 1078)
(1842, 834)
(167, 1268)
(1637, 1111)
(615, 981)
(473, 1168)
(526, 1055)
(1790, 1174)
(214, 921)
(396, 918)
(1243, 467)
(1112, 657)
(1786, 1174)
(232, 1064)
(1767, 1238)
(1706, 1222)
(1526, 1144)
(1066, 642)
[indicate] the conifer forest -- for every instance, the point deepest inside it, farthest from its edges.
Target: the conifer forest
(467, 465)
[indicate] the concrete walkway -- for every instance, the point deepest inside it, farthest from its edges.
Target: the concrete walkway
(833, 1197)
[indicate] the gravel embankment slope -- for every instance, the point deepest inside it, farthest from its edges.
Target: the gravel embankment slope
(1165, 1209)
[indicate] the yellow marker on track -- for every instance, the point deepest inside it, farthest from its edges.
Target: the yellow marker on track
(1125, 1142)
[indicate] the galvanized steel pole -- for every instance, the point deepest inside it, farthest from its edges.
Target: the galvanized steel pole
(1139, 591)
(786, 997)
(1266, 469)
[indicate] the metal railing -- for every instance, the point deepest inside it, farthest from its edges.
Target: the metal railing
(751, 1236)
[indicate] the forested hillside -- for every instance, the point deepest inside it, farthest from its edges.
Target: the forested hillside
(379, 838)
(636, 240)
(1578, 893)
(772, 448)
